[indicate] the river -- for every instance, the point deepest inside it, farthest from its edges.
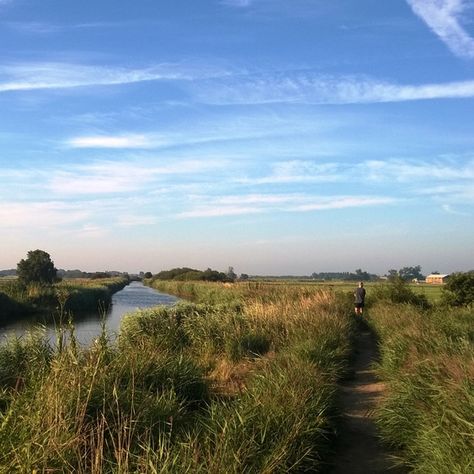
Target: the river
(88, 326)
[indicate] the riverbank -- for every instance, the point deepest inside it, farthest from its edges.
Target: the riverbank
(74, 296)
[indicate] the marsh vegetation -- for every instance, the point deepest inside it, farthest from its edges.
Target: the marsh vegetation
(240, 378)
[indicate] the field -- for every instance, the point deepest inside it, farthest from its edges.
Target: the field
(243, 378)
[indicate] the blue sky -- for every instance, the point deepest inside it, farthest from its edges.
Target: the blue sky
(276, 136)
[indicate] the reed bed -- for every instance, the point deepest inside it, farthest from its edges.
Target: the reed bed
(242, 380)
(68, 295)
(427, 361)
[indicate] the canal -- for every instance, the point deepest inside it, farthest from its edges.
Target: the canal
(88, 326)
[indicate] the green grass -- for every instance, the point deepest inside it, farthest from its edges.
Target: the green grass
(427, 362)
(69, 295)
(241, 381)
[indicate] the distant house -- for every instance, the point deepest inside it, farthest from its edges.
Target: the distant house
(436, 279)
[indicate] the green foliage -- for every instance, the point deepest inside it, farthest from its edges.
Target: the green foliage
(36, 268)
(398, 291)
(69, 295)
(243, 380)
(190, 274)
(281, 423)
(407, 273)
(427, 364)
(459, 289)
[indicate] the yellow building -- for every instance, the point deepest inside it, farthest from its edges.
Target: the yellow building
(436, 279)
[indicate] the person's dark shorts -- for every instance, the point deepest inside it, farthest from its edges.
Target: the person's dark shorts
(359, 305)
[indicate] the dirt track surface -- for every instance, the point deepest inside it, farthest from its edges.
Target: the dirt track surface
(358, 449)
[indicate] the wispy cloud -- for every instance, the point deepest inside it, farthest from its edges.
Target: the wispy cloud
(258, 204)
(103, 141)
(297, 87)
(448, 208)
(444, 19)
(418, 171)
(227, 86)
(109, 177)
(237, 3)
(39, 215)
(53, 75)
(298, 171)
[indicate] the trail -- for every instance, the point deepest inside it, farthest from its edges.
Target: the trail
(358, 449)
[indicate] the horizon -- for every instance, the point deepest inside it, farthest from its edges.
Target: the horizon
(278, 139)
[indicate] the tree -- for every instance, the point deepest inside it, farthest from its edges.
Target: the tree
(231, 275)
(36, 268)
(392, 274)
(148, 275)
(459, 289)
(411, 273)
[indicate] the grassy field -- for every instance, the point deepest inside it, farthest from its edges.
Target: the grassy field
(242, 380)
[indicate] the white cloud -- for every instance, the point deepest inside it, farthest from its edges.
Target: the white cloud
(260, 203)
(296, 87)
(343, 202)
(53, 75)
(102, 141)
(108, 177)
(416, 171)
(39, 215)
(237, 3)
(298, 171)
(211, 211)
(444, 18)
(448, 208)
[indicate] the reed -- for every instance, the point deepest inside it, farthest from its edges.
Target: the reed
(243, 380)
(427, 361)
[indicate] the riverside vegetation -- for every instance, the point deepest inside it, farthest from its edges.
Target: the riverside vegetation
(17, 300)
(243, 379)
(427, 362)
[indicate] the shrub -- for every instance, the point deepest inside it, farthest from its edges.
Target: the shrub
(398, 291)
(459, 289)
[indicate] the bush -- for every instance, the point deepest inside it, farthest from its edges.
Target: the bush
(398, 291)
(459, 289)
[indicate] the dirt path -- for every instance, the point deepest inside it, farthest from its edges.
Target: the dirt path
(358, 449)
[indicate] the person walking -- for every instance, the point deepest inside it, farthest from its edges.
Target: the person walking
(359, 295)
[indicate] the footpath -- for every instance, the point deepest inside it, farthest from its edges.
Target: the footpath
(359, 450)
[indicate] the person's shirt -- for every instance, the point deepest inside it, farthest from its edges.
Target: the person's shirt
(359, 295)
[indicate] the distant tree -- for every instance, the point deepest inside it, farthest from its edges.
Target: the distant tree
(411, 273)
(231, 275)
(36, 268)
(459, 289)
(392, 274)
(435, 273)
(243, 277)
(148, 275)
(99, 275)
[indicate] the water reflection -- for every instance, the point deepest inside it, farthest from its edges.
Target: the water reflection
(88, 326)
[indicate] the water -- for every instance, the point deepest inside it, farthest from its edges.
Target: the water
(88, 326)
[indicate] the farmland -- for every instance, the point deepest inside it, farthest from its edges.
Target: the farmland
(241, 378)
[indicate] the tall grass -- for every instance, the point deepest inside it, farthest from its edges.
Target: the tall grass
(427, 361)
(68, 295)
(243, 381)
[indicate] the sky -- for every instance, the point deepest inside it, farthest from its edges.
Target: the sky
(274, 136)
